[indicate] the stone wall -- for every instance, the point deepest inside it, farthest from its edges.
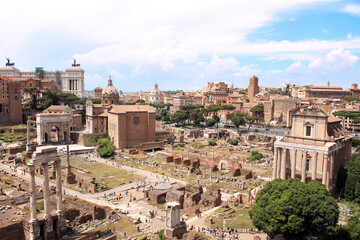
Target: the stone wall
(13, 231)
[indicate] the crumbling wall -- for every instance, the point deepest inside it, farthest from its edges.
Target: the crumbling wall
(212, 196)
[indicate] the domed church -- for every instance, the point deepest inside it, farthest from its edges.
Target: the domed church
(110, 94)
(156, 95)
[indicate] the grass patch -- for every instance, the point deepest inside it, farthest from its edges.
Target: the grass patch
(106, 175)
(124, 225)
(91, 141)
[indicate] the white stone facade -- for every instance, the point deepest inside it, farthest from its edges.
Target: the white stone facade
(72, 80)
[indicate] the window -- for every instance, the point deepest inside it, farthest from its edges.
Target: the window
(308, 131)
(136, 120)
(307, 165)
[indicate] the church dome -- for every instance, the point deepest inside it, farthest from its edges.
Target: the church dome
(110, 89)
(156, 90)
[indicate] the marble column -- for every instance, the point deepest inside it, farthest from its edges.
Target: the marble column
(33, 223)
(60, 212)
(314, 164)
(46, 192)
(283, 164)
(28, 149)
(325, 167)
(293, 164)
(303, 167)
(278, 168)
(274, 176)
(329, 177)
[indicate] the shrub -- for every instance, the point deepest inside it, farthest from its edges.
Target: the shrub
(211, 142)
(107, 149)
(234, 141)
(255, 155)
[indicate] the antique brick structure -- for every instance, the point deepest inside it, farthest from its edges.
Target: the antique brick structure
(316, 147)
(10, 102)
(253, 88)
(131, 125)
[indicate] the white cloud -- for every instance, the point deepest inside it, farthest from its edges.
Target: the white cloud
(247, 71)
(349, 36)
(353, 9)
(221, 65)
(148, 32)
(335, 61)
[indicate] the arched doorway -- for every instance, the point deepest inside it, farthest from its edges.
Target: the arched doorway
(223, 166)
(55, 134)
(65, 136)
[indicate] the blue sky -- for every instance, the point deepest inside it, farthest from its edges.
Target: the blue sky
(185, 44)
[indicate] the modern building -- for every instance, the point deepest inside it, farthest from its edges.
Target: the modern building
(316, 147)
(10, 102)
(72, 80)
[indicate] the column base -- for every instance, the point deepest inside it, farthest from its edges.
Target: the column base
(34, 229)
(49, 229)
(61, 225)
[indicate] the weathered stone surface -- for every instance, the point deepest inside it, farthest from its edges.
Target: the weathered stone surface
(177, 196)
(212, 196)
(195, 236)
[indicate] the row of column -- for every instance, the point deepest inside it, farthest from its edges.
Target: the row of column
(34, 223)
(73, 84)
(280, 164)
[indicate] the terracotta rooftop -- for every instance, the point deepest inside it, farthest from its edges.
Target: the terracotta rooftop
(131, 108)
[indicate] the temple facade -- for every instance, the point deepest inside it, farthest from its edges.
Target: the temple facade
(316, 147)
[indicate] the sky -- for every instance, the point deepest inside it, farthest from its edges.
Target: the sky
(185, 44)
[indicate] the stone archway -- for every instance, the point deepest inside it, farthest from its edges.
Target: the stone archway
(53, 127)
(223, 166)
(46, 138)
(55, 134)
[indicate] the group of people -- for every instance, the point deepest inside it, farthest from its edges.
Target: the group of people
(216, 231)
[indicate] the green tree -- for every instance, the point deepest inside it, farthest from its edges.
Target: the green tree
(240, 114)
(227, 107)
(188, 109)
(211, 141)
(33, 91)
(251, 120)
(216, 119)
(163, 113)
(106, 148)
(352, 184)
(258, 111)
(197, 117)
(140, 101)
(210, 122)
(353, 227)
(179, 117)
(237, 121)
(295, 209)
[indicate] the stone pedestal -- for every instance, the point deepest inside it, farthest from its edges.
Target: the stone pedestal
(34, 229)
(68, 177)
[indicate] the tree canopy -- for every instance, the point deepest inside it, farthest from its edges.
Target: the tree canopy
(346, 114)
(237, 121)
(210, 122)
(179, 117)
(295, 209)
(257, 110)
(352, 184)
(106, 148)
